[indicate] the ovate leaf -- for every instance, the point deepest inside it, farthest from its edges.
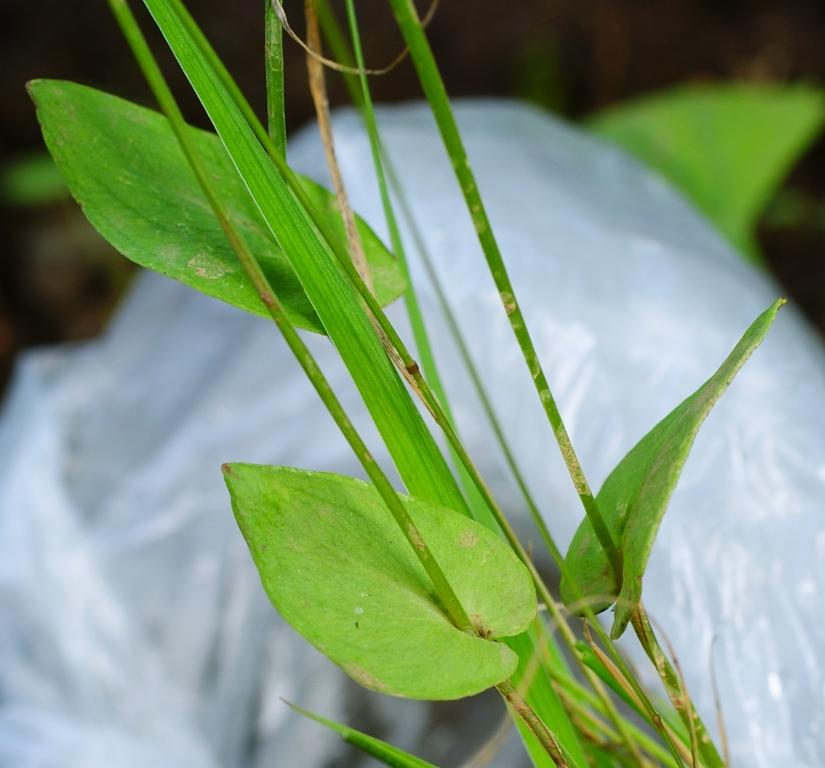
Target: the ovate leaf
(725, 147)
(125, 168)
(386, 753)
(635, 495)
(338, 569)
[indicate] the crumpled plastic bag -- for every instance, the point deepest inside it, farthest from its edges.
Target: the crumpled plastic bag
(133, 630)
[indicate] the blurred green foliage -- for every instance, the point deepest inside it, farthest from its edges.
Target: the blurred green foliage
(727, 148)
(31, 181)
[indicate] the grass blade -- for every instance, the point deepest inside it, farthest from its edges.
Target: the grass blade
(419, 462)
(430, 77)
(381, 750)
(160, 88)
(274, 60)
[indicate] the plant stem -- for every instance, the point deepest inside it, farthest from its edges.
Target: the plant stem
(674, 687)
(259, 280)
(318, 90)
(169, 106)
(437, 402)
(368, 115)
(573, 692)
(430, 77)
(340, 49)
(274, 59)
(534, 723)
(360, 94)
(392, 342)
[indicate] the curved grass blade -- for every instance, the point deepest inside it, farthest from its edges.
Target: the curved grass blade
(635, 495)
(125, 168)
(386, 753)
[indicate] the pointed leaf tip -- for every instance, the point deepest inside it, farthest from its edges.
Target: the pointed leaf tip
(124, 166)
(635, 496)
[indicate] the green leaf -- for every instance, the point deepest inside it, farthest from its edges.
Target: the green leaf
(336, 566)
(125, 168)
(726, 147)
(32, 181)
(386, 753)
(635, 495)
(413, 449)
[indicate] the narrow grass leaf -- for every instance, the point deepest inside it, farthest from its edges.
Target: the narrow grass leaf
(124, 166)
(416, 455)
(635, 495)
(339, 570)
(386, 753)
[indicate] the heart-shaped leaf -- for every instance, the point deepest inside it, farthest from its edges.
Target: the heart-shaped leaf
(337, 567)
(124, 166)
(634, 497)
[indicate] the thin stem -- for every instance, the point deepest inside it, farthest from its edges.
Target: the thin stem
(573, 693)
(318, 89)
(675, 688)
(436, 401)
(340, 48)
(274, 58)
(438, 484)
(278, 8)
(368, 114)
(473, 372)
(431, 376)
(259, 280)
(592, 723)
(393, 343)
(361, 96)
(443, 417)
(717, 705)
(389, 336)
(430, 78)
(166, 100)
(534, 723)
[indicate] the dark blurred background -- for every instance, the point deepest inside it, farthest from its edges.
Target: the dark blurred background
(59, 281)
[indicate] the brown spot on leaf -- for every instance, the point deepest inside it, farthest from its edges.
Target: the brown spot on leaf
(207, 268)
(415, 538)
(368, 680)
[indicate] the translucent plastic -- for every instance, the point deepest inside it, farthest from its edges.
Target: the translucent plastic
(133, 630)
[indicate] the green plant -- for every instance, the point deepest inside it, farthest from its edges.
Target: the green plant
(725, 147)
(430, 595)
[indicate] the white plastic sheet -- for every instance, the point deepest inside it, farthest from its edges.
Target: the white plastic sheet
(132, 627)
